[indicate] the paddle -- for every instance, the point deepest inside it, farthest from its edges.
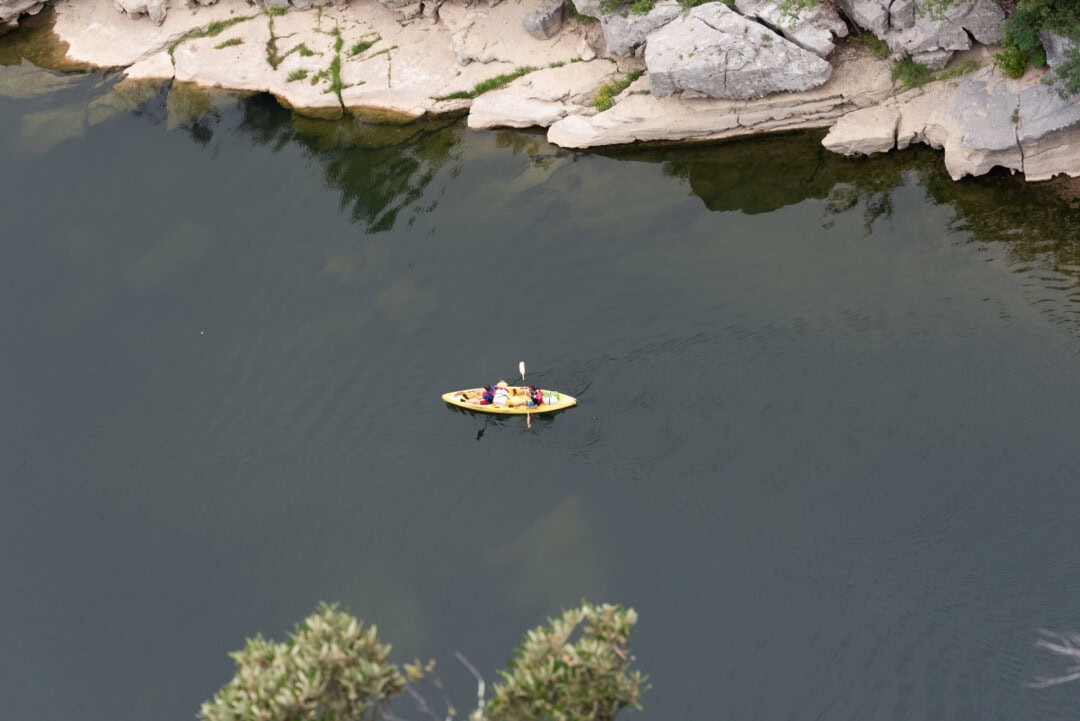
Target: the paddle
(528, 416)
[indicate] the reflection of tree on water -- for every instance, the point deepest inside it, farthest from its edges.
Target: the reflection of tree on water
(1035, 224)
(379, 169)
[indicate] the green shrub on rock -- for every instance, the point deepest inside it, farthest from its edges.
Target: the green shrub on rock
(1011, 61)
(1067, 75)
(910, 73)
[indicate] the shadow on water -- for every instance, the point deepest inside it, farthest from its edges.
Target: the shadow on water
(381, 169)
(1033, 227)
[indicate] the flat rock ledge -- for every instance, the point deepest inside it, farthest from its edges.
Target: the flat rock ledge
(372, 60)
(980, 121)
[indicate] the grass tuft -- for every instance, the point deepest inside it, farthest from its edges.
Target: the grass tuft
(490, 84)
(878, 47)
(965, 68)
(910, 73)
(606, 93)
(229, 43)
(211, 30)
(296, 75)
(363, 45)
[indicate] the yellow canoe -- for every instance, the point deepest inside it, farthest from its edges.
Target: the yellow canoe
(458, 399)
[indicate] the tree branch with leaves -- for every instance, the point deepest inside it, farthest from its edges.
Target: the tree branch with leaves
(333, 668)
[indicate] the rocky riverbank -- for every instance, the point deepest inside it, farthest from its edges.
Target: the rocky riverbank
(595, 77)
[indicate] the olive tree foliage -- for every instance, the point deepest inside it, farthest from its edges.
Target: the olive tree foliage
(332, 668)
(551, 678)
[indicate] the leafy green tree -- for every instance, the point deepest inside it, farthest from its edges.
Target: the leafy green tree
(332, 668)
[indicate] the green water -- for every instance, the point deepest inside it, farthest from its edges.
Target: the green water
(825, 442)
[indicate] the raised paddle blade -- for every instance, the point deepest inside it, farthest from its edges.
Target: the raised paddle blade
(521, 369)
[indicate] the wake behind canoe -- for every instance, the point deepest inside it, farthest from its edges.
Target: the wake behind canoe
(461, 399)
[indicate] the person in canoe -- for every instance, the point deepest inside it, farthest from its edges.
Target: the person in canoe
(479, 397)
(536, 396)
(501, 394)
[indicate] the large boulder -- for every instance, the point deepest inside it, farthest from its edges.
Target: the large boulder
(1057, 48)
(928, 37)
(814, 28)
(546, 20)
(870, 130)
(625, 32)
(589, 8)
(984, 109)
(982, 122)
(713, 51)
(156, 9)
(1047, 130)
(872, 15)
(932, 39)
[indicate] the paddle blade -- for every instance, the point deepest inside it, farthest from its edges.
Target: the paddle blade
(521, 369)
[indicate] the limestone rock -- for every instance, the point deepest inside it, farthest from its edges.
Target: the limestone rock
(982, 122)
(156, 9)
(985, 108)
(1047, 130)
(468, 46)
(1052, 155)
(546, 20)
(713, 51)
(872, 15)
(540, 98)
(982, 18)
(625, 32)
(589, 8)
(926, 37)
(408, 12)
(1057, 48)
(865, 131)
(812, 29)
(10, 10)
(863, 81)
(504, 110)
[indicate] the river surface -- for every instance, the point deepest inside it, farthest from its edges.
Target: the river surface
(826, 442)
